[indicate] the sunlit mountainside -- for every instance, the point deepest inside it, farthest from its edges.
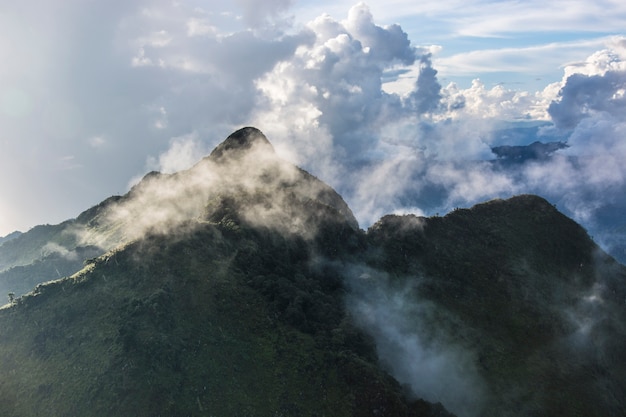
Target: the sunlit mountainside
(244, 286)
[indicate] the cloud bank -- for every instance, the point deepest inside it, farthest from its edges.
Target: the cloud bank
(154, 85)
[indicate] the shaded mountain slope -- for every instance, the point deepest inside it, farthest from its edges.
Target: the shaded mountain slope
(29, 246)
(244, 287)
(222, 307)
(188, 327)
(10, 236)
(46, 252)
(52, 265)
(524, 291)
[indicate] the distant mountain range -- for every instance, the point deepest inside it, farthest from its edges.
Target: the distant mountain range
(523, 153)
(10, 236)
(244, 287)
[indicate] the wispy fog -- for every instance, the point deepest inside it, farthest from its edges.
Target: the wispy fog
(265, 188)
(413, 343)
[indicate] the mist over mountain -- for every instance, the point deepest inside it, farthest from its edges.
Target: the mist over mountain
(244, 286)
(529, 306)
(10, 236)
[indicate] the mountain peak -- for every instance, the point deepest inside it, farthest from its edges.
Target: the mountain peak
(240, 141)
(247, 156)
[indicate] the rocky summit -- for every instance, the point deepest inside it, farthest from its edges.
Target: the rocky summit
(241, 141)
(245, 287)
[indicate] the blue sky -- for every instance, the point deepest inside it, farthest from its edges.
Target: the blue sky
(500, 41)
(95, 94)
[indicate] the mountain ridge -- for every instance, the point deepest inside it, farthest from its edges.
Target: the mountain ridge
(244, 286)
(143, 300)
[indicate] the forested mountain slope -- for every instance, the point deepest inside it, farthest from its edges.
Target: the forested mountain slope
(244, 287)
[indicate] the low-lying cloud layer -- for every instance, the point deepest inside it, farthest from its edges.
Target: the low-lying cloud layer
(328, 105)
(357, 103)
(430, 148)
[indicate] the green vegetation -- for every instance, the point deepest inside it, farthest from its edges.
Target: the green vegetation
(28, 247)
(194, 327)
(237, 307)
(507, 277)
(22, 279)
(50, 252)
